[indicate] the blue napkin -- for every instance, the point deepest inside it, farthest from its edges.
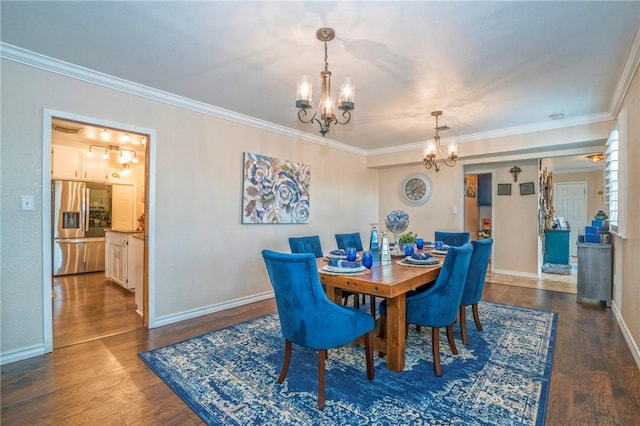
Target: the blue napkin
(339, 252)
(345, 263)
(420, 256)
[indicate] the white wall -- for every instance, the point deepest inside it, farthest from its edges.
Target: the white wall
(204, 255)
(436, 214)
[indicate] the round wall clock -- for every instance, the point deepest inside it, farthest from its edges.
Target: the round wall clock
(416, 189)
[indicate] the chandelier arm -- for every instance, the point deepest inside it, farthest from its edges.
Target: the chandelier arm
(450, 162)
(345, 114)
(303, 113)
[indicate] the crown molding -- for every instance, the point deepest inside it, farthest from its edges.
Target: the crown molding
(36, 60)
(46, 63)
(511, 131)
(630, 66)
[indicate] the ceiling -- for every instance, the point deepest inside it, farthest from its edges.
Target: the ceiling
(494, 68)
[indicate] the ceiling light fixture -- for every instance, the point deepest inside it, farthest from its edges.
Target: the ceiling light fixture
(557, 115)
(126, 138)
(104, 134)
(325, 114)
(124, 155)
(596, 158)
(433, 149)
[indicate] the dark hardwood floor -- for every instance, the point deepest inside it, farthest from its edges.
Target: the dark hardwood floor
(595, 380)
(90, 306)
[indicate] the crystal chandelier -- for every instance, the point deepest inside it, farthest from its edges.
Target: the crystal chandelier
(431, 159)
(325, 114)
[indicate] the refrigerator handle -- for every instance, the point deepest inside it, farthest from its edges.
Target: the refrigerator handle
(85, 208)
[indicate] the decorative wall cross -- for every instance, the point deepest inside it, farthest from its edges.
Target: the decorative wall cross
(515, 170)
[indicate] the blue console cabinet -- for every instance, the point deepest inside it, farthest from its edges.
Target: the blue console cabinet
(556, 246)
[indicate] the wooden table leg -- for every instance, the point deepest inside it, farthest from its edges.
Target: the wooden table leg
(396, 333)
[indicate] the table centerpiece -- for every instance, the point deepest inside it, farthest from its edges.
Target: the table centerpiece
(397, 222)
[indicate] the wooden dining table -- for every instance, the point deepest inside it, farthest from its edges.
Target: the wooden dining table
(392, 281)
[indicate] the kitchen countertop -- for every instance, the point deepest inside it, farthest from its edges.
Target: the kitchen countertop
(137, 233)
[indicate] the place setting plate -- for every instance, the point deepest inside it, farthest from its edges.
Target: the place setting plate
(428, 263)
(344, 271)
(336, 256)
(332, 255)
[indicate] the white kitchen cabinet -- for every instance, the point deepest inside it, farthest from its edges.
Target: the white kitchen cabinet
(116, 257)
(72, 163)
(124, 260)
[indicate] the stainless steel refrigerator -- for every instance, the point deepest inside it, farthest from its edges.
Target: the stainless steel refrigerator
(81, 212)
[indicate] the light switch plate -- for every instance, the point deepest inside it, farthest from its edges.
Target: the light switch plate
(26, 202)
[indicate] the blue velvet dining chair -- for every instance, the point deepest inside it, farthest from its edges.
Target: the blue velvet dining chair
(438, 306)
(308, 318)
(474, 284)
(309, 244)
(354, 240)
(349, 240)
(455, 239)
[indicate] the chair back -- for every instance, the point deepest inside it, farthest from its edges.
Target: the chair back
(307, 316)
(474, 284)
(349, 240)
(438, 306)
(310, 244)
(452, 239)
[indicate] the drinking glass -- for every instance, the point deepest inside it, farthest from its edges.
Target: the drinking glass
(408, 250)
(438, 245)
(419, 243)
(367, 259)
(351, 254)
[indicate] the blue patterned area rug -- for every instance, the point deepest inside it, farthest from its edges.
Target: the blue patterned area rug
(228, 377)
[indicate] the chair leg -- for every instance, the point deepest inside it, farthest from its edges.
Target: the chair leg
(435, 342)
(463, 324)
(418, 328)
(322, 355)
(452, 342)
(373, 305)
(356, 301)
(476, 316)
(287, 360)
(368, 349)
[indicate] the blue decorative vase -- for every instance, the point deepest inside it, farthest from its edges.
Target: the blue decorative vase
(600, 215)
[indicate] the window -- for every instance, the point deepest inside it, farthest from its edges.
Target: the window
(614, 177)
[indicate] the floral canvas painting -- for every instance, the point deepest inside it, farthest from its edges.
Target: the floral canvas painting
(275, 191)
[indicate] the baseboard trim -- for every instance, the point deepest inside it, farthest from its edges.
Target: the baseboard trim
(633, 347)
(21, 354)
(205, 310)
(515, 273)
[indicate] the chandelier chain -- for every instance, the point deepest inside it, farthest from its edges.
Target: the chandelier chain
(326, 57)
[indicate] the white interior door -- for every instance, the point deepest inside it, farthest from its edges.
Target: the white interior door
(571, 203)
(122, 214)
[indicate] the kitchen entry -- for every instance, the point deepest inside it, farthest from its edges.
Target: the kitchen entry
(478, 205)
(98, 176)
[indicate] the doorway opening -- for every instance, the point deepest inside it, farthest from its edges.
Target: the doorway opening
(111, 297)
